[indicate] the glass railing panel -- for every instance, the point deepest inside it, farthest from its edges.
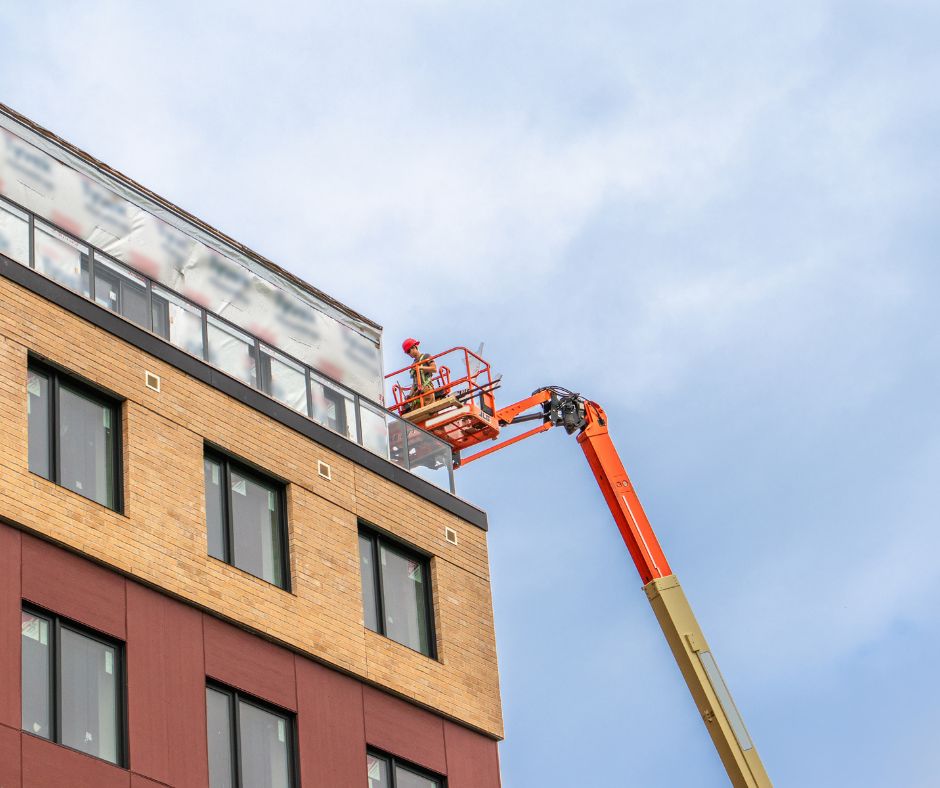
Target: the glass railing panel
(61, 258)
(177, 321)
(397, 434)
(232, 351)
(284, 379)
(429, 457)
(14, 233)
(121, 291)
(374, 429)
(333, 408)
(188, 327)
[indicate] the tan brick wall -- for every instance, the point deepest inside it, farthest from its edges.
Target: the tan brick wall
(161, 537)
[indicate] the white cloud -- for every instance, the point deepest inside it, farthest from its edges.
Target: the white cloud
(664, 205)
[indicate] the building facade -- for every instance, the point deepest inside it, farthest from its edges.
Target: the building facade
(215, 568)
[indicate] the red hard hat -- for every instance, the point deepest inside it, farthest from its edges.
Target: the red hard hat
(408, 344)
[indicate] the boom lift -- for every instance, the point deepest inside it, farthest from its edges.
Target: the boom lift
(463, 412)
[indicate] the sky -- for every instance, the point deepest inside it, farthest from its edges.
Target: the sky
(719, 220)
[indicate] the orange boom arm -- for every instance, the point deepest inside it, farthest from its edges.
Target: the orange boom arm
(464, 415)
(621, 498)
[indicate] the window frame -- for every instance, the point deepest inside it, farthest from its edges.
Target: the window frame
(55, 373)
(377, 537)
(57, 624)
(236, 697)
(226, 462)
(394, 761)
(112, 272)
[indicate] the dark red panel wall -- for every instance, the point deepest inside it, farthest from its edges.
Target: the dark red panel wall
(10, 606)
(166, 689)
(47, 765)
(9, 757)
(142, 782)
(249, 663)
(472, 760)
(401, 729)
(171, 649)
(64, 583)
(330, 727)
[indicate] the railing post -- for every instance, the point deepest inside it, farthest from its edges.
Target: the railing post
(205, 333)
(357, 407)
(259, 381)
(404, 440)
(309, 385)
(149, 303)
(32, 241)
(91, 274)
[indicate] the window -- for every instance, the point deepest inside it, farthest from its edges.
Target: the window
(251, 745)
(74, 438)
(73, 686)
(176, 321)
(121, 291)
(245, 519)
(396, 592)
(385, 771)
(332, 408)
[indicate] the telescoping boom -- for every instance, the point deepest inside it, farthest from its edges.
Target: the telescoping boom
(462, 411)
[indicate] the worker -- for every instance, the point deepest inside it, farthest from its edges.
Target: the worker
(422, 376)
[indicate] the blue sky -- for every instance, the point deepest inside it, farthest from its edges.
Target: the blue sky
(717, 219)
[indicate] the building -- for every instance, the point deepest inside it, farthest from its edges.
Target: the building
(221, 561)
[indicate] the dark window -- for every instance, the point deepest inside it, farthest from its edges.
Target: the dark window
(251, 745)
(121, 291)
(386, 771)
(245, 519)
(74, 439)
(332, 408)
(73, 686)
(396, 592)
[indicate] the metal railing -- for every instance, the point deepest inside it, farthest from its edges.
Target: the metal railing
(474, 380)
(54, 252)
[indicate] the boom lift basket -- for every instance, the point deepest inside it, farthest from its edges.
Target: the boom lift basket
(458, 407)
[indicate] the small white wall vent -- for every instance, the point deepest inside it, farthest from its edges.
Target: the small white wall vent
(450, 535)
(323, 470)
(152, 381)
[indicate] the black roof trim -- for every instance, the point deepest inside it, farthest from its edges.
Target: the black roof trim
(194, 367)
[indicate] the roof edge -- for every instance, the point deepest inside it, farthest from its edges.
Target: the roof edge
(185, 215)
(200, 370)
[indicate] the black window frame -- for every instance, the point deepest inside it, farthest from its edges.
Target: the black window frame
(245, 468)
(378, 537)
(121, 281)
(96, 394)
(57, 624)
(236, 696)
(160, 316)
(393, 762)
(333, 393)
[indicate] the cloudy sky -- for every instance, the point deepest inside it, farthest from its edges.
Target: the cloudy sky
(717, 219)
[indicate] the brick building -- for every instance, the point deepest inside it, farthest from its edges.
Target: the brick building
(221, 562)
